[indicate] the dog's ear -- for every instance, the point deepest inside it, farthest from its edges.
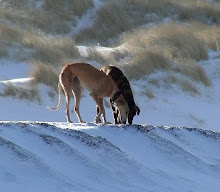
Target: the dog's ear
(137, 110)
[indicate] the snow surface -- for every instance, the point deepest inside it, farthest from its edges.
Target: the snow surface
(40, 152)
(45, 157)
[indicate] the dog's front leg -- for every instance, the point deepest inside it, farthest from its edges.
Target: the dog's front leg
(102, 112)
(97, 112)
(99, 103)
(115, 113)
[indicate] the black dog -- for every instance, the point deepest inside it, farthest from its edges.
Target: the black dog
(124, 86)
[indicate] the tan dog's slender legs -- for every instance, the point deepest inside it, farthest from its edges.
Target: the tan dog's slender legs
(103, 110)
(66, 88)
(99, 103)
(77, 91)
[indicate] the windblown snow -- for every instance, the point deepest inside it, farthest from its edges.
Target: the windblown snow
(37, 156)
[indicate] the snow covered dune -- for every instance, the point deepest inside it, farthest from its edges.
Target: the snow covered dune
(46, 157)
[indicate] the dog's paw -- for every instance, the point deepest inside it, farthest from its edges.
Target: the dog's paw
(97, 120)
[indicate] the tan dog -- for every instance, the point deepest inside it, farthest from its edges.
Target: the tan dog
(97, 83)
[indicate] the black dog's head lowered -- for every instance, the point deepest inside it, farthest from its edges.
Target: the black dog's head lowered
(132, 112)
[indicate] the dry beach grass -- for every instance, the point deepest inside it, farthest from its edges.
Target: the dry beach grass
(167, 35)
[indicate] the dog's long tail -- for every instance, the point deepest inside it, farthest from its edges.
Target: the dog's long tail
(60, 97)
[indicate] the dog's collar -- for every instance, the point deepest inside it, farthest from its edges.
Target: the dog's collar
(116, 96)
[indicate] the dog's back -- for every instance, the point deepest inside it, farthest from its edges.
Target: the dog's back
(122, 83)
(91, 78)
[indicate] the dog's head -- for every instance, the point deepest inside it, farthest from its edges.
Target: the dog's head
(132, 112)
(123, 108)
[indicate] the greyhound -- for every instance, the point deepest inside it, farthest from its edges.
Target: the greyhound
(100, 85)
(123, 84)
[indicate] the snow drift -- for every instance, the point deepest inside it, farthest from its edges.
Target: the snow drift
(38, 156)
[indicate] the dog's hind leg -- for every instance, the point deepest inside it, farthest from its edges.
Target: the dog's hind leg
(66, 85)
(77, 92)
